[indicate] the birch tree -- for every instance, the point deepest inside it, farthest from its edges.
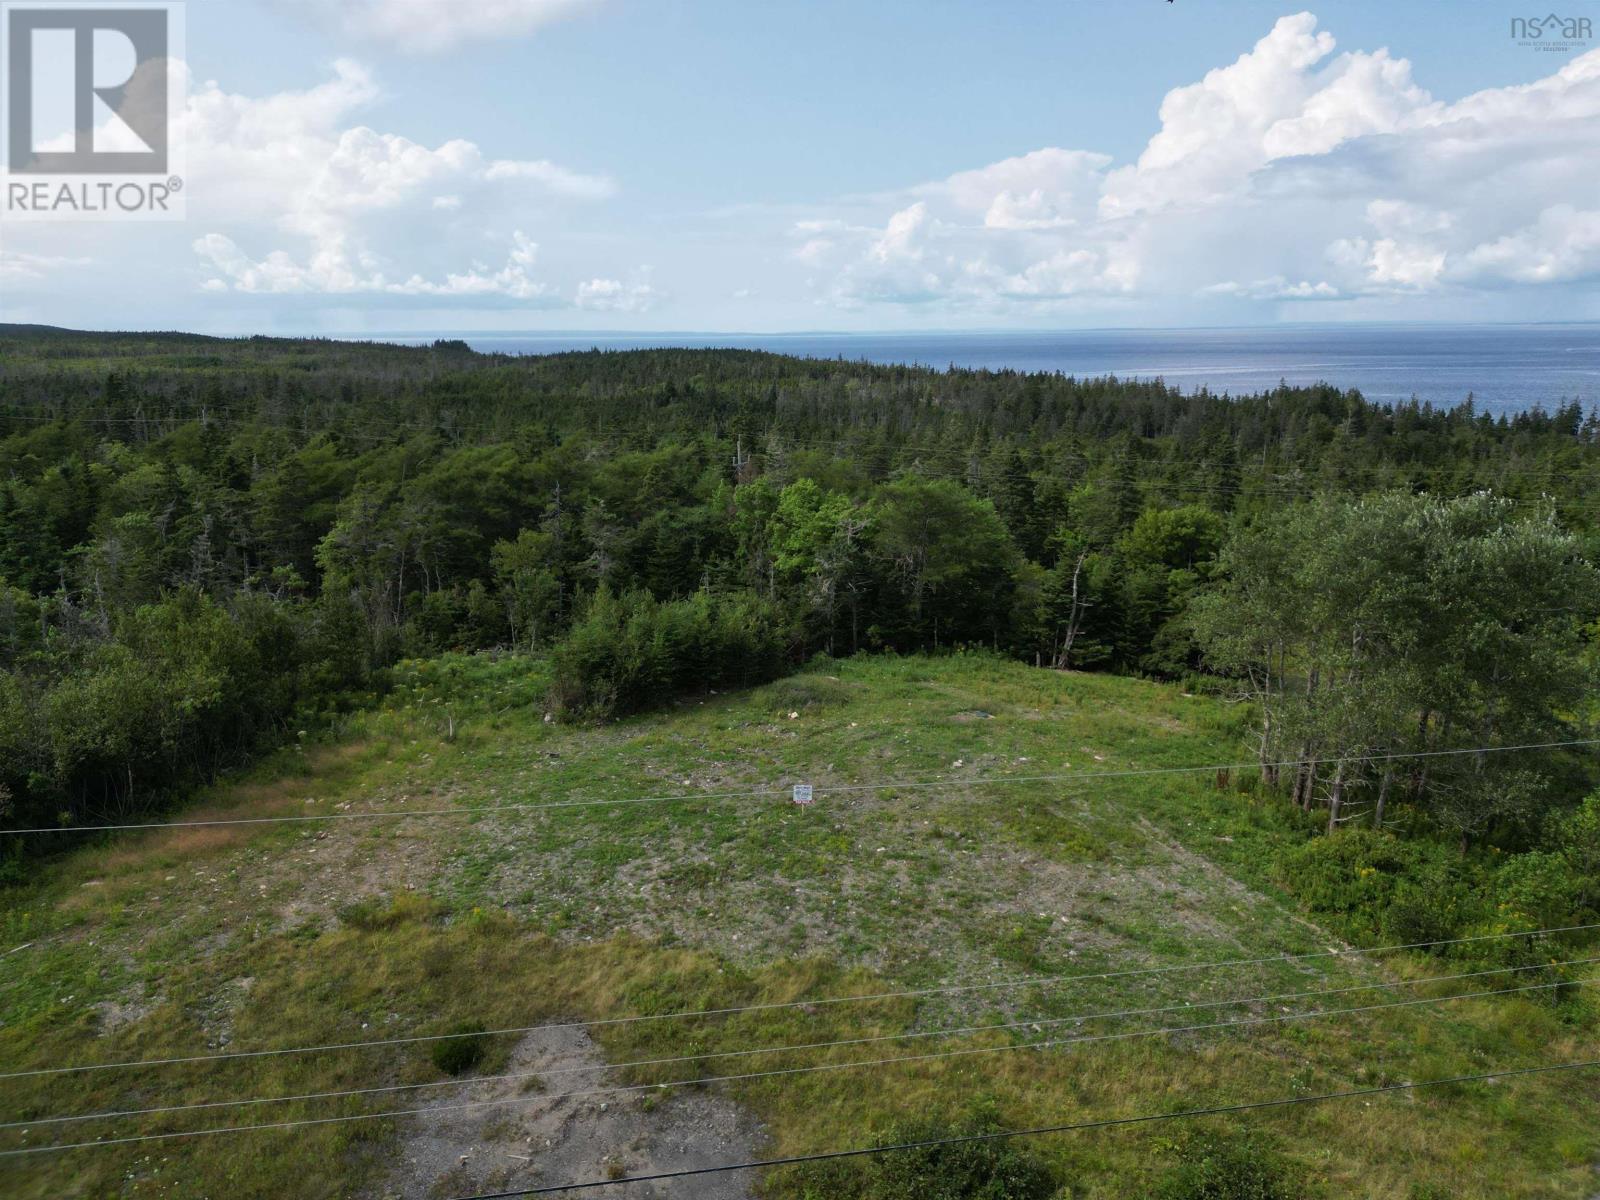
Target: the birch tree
(1404, 625)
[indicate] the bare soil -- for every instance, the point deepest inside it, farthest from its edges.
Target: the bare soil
(532, 1132)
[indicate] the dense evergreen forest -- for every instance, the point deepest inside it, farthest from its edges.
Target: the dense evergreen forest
(209, 545)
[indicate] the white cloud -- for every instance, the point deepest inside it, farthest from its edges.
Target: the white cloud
(1563, 244)
(1300, 173)
(292, 198)
(826, 225)
(1400, 217)
(1276, 101)
(1293, 174)
(432, 26)
(901, 238)
(1046, 189)
(17, 267)
(361, 211)
(1274, 288)
(1404, 265)
(814, 251)
(612, 295)
(557, 179)
(981, 237)
(330, 273)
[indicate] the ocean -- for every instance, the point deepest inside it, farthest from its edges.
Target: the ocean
(1506, 368)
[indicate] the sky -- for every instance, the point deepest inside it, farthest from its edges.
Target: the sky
(445, 165)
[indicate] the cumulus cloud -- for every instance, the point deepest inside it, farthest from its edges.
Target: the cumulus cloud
(432, 26)
(1047, 189)
(17, 267)
(363, 211)
(1300, 173)
(332, 273)
(1563, 244)
(1275, 288)
(979, 236)
(1293, 174)
(612, 295)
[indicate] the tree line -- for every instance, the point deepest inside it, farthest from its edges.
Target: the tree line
(206, 542)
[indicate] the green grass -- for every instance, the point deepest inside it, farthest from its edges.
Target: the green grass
(189, 941)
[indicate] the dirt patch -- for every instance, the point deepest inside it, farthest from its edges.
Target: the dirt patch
(111, 1016)
(335, 868)
(542, 1135)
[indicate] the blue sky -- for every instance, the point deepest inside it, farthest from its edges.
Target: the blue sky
(667, 164)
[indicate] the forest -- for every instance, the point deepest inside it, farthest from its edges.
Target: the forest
(209, 547)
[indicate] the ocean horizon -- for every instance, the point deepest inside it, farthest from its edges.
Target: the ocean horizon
(1503, 368)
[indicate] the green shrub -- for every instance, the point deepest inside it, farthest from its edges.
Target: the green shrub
(1217, 1167)
(461, 617)
(1577, 838)
(1538, 890)
(1415, 916)
(461, 1051)
(633, 651)
(173, 693)
(1378, 888)
(998, 1169)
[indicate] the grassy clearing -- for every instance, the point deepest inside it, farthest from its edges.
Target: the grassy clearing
(188, 941)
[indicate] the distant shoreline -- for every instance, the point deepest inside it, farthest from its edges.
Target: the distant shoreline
(1505, 368)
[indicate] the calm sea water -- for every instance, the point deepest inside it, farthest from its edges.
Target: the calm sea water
(1506, 367)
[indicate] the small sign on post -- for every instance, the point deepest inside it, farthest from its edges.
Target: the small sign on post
(802, 794)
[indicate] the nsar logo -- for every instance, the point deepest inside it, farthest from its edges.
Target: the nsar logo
(1552, 32)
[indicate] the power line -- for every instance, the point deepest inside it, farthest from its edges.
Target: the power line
(817, 1002)
(1027, 1023)
(785, 1072)
(692, 797)
(1102, 1123)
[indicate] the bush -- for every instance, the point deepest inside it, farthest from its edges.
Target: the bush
(461, 1051)
(1415, 916)
(1376, 888)
(1381, 889)
(455, 618)
(178, 691)
(1538, 890)
(1217, 1167)
(633, 652)
(1000, 1169)
(1577, 836)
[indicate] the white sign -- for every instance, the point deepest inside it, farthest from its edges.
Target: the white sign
(93, 102)
(802, 793)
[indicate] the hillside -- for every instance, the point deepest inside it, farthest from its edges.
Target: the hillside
(205, 542)
(235, 938)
